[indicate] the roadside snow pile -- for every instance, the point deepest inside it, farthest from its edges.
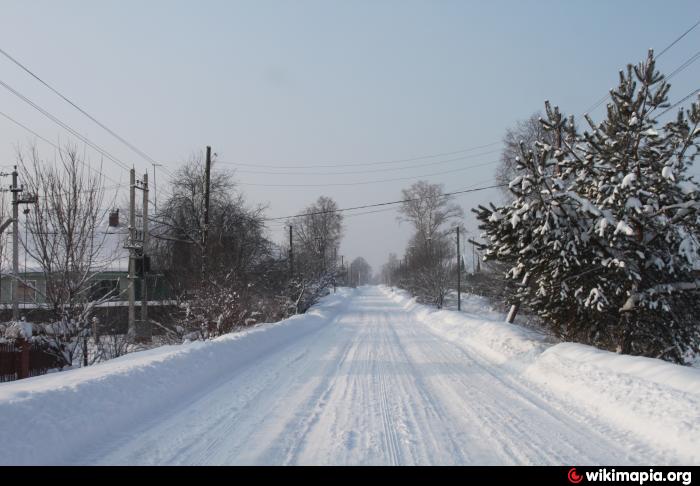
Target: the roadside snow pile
(653, 399)
(43, 418)
(656, 399)
(506, 345)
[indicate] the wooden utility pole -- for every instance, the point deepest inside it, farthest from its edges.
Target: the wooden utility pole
(459, 275)
(205, 233)
(291, 252)
(131, 245)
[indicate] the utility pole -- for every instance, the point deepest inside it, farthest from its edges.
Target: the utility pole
(207, 179)
(131, 245)
(137, 244)
(516, 306)
(291, 252)
(473, 257)
(459, 275)
(16, 201)
(144, 257)
(15, 248)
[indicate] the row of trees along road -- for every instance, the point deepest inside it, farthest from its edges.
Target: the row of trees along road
(238, 278)
(249, 278)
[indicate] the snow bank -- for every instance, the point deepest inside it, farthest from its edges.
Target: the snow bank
(650, 398)
(44, 418)
(657, 400)
(477, 326)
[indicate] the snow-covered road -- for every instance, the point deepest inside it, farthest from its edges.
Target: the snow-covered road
(371, 385)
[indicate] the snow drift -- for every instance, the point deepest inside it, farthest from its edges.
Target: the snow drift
(43, 419)
(653, 399)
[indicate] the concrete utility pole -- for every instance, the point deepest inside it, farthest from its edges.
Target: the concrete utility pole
(131, 245)
(515, 307)
(144, 256)
(205, 234)
(137, 245)
(16, 201)
(15, 248)
(473, 257)
(459, 275)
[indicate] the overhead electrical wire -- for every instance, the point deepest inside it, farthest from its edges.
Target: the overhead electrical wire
(685, 98)
(663, 51)
(281, 224)
(65, 126)
(81, 110)
(378, 181)
(88, 166)
(362, 164)
(368, 171)
(400, 201)
(678, 39)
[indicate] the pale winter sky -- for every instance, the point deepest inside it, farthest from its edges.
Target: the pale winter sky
(294, 83)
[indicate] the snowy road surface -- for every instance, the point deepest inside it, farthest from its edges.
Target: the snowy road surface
(373, 386)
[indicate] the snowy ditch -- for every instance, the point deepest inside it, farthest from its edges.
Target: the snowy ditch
(653, 399)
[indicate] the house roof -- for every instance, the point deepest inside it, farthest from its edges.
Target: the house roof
(108, 240)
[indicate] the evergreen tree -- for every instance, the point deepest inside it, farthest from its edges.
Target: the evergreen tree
(605, 223)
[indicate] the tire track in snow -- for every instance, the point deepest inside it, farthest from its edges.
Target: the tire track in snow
(373, 386)
(577, 438)
(318, 407)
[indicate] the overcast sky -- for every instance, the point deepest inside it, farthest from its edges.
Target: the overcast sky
(298, 83)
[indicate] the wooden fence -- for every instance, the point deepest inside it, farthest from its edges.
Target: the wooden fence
(22, 359)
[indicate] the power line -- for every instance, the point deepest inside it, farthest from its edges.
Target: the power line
(362, 164)
(282, 224)
(366, 206)
(683, 66)
(367, 171)
(663, 51)
(21, 125)
(678, 39)
(686, 97)
(64, 98)
(373, 181)
(64, 125)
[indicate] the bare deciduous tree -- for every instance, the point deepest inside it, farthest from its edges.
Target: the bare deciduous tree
(318, 237)
(429, 260)
(66, 242)
(428, 210)
(360, 271)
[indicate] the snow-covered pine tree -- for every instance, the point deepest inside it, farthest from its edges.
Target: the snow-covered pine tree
(605, 223)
